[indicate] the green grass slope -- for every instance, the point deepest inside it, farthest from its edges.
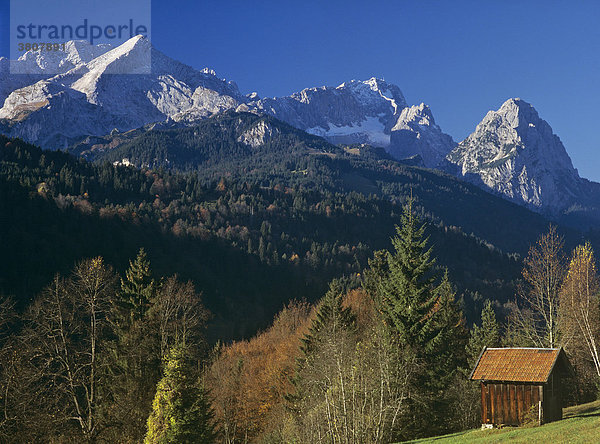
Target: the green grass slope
(581, 425)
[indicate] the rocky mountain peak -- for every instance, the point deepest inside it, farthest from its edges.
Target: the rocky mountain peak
(515, 153)
(353, 112)
(131, 57)
(373, 89)
(89, 90)
(516, 113)
(420, 114)
(415, 133)
(76, 53)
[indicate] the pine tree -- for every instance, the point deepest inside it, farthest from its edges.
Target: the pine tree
(181, 412)
(422, 319)
(406, 295)
(465, 407)
(376, 273)
(446, 368)
(451, 339)
(485, 335)
(138, 287)
(136, 349)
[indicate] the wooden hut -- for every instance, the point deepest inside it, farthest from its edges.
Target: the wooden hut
(519, 384)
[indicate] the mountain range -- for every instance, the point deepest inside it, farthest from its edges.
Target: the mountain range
(103, 93)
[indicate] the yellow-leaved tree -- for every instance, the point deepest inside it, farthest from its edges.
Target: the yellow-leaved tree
(580, 309)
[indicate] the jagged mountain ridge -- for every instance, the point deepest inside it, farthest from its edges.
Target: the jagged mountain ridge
(34, 66)
(245, 147)
(513, 152)
(416, 134)
(353, 112)
(95, 83)
(371, 112)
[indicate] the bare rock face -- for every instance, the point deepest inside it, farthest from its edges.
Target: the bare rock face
(34, 66)
(515, 153)
(62, 98)
(258, 135)
(416, 134)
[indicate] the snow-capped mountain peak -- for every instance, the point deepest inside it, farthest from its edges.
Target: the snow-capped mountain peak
(124, 88)
(131, 57)
(75, 53)
(86, 90)
(370, 91)
(353, 112)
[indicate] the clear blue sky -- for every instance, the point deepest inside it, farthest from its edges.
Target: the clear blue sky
(460, 57)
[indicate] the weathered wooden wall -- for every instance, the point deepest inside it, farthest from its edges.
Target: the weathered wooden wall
(505, 403)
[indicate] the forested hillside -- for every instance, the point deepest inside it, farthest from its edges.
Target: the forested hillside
(296, 212)
(242, 232)
(268, 194)
(247, 148)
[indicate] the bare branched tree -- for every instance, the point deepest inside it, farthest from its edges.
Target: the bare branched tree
(355, 389)
(180, 315)
(63, 337)
(8, 373)
(537, 318)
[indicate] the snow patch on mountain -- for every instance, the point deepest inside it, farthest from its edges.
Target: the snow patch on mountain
(132, 57)
(133, 85)
(88, 91)
(124, 88)
(75, 53)
(371, 130)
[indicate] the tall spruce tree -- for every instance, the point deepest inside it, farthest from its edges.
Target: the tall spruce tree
(181, 412)
(451, 337)
(447, 367)
(406, 295)
(421, 318)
